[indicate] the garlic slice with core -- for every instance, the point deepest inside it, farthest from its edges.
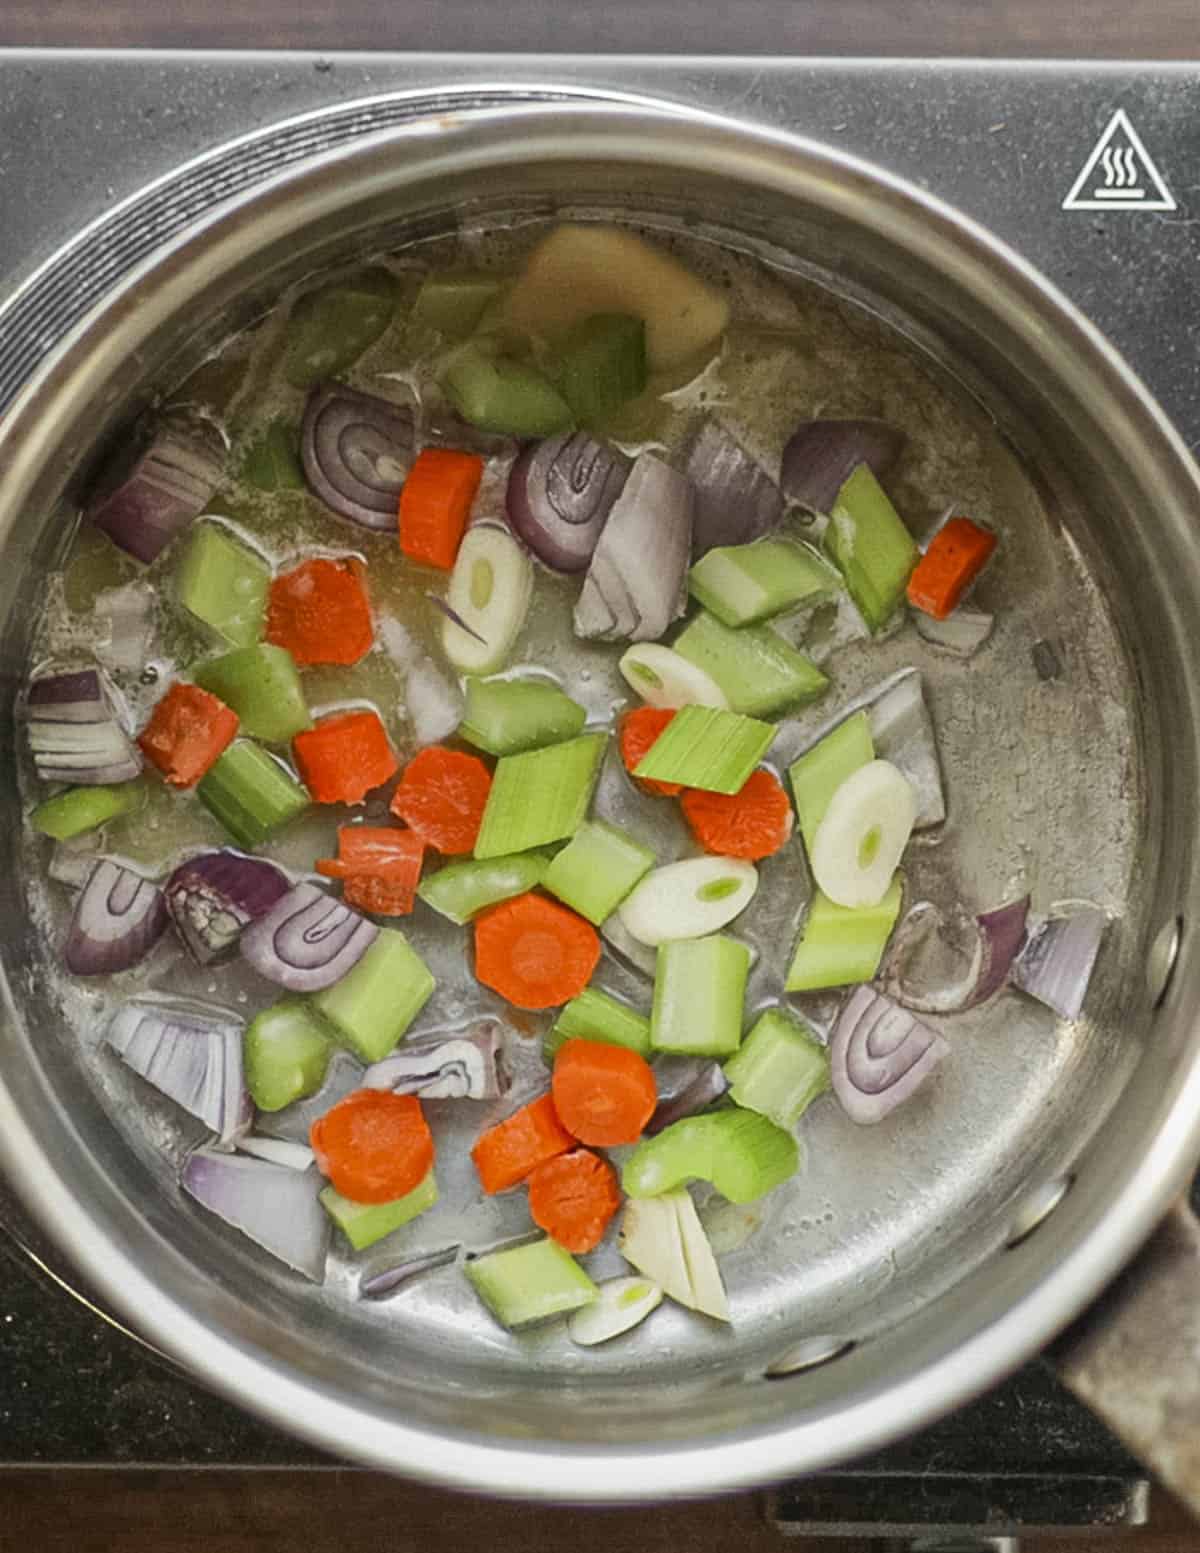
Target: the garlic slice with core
(866, 827)
(689, 899)
(663, 677)
(620, 1306)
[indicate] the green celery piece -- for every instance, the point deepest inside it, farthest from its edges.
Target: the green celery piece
(454, 303)
(759, 672)
(365, 1223)
(820, 771)
(540, 796)
(374, 1003)
(704, 747)
(251, 794)
(779, 1070)
(530, 1283)
(285, 1052)
(743, 1154)
(330, 328)
(84, 808)
(272, 461)
(262, 685)
(868, 543)
(595, 1016)
(461, 890)
(699, 989)
(505, 396)
(508, 716)
(603, 365)
(224, 584)
(743, 584)
(597, 868)
(842, 945)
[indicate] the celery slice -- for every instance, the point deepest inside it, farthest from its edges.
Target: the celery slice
(262, 685)
(842, 945)
(286, 1051)
(704, 747)
(505, 396)
(365, 1223)
(597, 868)
(540, 796)
(699, 988)
(869, 544)
(779, 1070)
(820, 771)
(331, 327)
(508, 716)
(272, 461)
(595, 1016)
(81, 809)
(603, 365)
(454, 303)
(224, 584)
(742, 1153)
(251, 793)
(759, 672)
(461, 890)
(375, 1002)
(530, 1283)
(743, 584)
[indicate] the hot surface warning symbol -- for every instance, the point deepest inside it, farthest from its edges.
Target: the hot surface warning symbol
(1119, 174)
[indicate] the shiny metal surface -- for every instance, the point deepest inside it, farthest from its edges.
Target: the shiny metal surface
(953, 1310)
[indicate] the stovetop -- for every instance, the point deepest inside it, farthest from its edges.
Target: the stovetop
(1091, 171)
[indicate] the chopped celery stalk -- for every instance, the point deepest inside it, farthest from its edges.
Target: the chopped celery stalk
(374, 1003)
(865, 829)
(272, 461)
(251, 794)
(603, 365)
(689, 899)
(530, 1283)
(779, 1070)
(595, 1016)
(365, 1223)
(507, 716)
(699, 988)
(759, 673)
(742, 1153)
(869, 544)
(597, 868)
(662, 678)
(622, 1304)
(500, 395)
(461, 890)
(840, 946)
(490, 588)
(453, 304)
(540, 796)
(663, 1238)
(705, 747)
(743, 584)
(81, 809)
(330, 328)
(262, 685)
(286, 1050)
(224, 584)
(820, 771)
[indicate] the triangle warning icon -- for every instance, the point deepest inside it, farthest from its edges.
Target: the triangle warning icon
(1119, 174)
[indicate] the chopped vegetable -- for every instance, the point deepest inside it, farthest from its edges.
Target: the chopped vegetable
(902, 730)
(461, 890)
(374, 1146)
(664, 1239)
(602, 364)
(919, 972)
(435, 505)
(373, 1004)
(753, 823)
(689, 899)
(864, 830)
(286, 1054)
(380, 1285)
(1056, 964)
(213, 896)
(779, 1070)
(278, 1151)
(742, 1153)
(251, 793)
(527, 1284)
(573, 1197)
(320, 611)
(490, 589)
(560, 493)
(818, 774)
(379, 865)
(464, 1065)
(453, 303)
(272, 461)
(539, 796)
(962, 633)
(759, 673)
(880, 1054)
(190, 1053)
(223, 583)
(534, 952)
(700, 1093)
(273, 1205)
(118, 919)
(329, 329)
(187, 732)
(81, 809)
(74, 732)
(956, 555)
(597, 869)
(820, 456)
(595, 1016)
(262, 686)
(498, 394)
(345, 756)
(507, 716)
(356, 450)
(365, 1223)
(707, 748)
(505, 1154)
(433, 703)
(736, 500)
(307, 940)
(841, 945)
(639, 732)
(443, 795)
(294, 1122)
(743, 584)
(663, 678)
(699, 990)
(153, 489)
(620, 1305)
(869, 544)
(604, 1095)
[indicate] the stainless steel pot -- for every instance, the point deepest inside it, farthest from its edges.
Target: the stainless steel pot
(1037, 1201)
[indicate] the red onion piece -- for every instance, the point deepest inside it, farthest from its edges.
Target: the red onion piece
(454, 617)
(124, 620)
(276, 1207)
(1056, 964)
(736, 500)
(635, 585)
(560, 493)
(356, 450)
(962, 633)
(701, 1091)
(212, 897)
(820, 456)
(379, 1285)
(462, 1065)
(74, 733)
(118, 918)
(307, 940)
(148, 496)
(935, 967)
(1002, 932)
(278, 1151)
(294, 1123)
(192, 1054)
(880, 1055)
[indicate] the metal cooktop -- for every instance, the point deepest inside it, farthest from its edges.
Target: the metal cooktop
(1091, 171)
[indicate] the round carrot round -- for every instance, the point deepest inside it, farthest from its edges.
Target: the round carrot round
(374, 1146)
(442, 796)
(573, 1198)
(534, 952)
(639, 729)
(752, 823)
(604, 1095)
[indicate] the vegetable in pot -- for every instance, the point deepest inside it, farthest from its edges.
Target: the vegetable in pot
(461, 1065)
(779, 1069)
(374, 1146)
(736, 500)
(356, 450)
(862, 834)
(540, 796)
(286, 1053)
(706, 748)
(759, 673)
(699, 991)
(664, 678)
(223, 583)
(365, 1223)
(251, 793)
(460, 891)
(211, 897)
(488, 599)
(273, 1205)
(307, 940)
(74, 733)
(372, 1004)
(329, 328)
(508, 716)
(118, 919)
(620, 1305)
(663, 1238)
(560, 493)
(498, 394)
(152, 490)
(869, 544)
(82, 809)
(524, 1285)
(741, 1152)
(534, 952)
(880, 1054)
(840, 945)
(1056, 963)
(602, 364)
(188, 731)
(596, 1016)
(744, 584)
(820, 456)
(597, 869)
(688, 899)
(190, 1053)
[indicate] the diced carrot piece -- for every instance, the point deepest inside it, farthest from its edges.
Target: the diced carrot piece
(344, 757)
(534, 952)
(573, 1197)
(752, 823)
(320, 611)
(380, 866)
(639, 730)
(435, 503)
(374, 1146)
(187, 731)
(603, 1094)
(442, 796)
(505, 1154)
(957, 554)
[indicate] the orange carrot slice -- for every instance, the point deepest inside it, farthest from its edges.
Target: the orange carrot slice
(505, 1154)
(603, 1094)
(573, 1197)
(374, 1146)
(320, 612)
(442, 796)
(639, 729)
(344, 757)
(435, 503)
(187, 731)
(534, 952)
(752, 823)
(380, 866)
(957, 554)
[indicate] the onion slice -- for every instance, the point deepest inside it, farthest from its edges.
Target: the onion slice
(1056, 964)
(464, 1065)
(118, 918)
(379, 1285)
(820, 456)
(212, 897)
(151, 492)
(307, 940)
(294, 1122)
(356, 450)
(74, 733)
(273, 1205)
(278, 1151)
(190, 1053)
(620, 1305)
(902, 732)
(880, 1055)
(962, 633)
(560, 493)
(736, 500)
(701, 1091)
